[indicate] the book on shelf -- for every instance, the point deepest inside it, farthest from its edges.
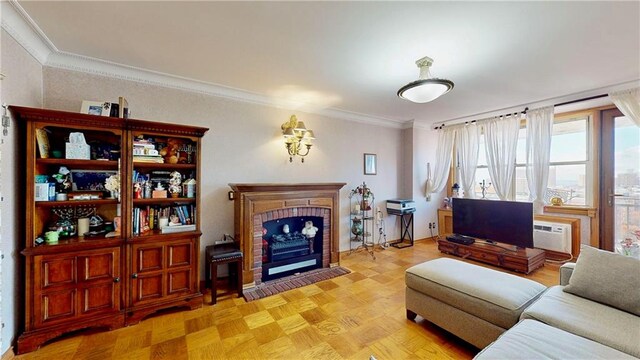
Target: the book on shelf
(177, 228)
(148, 159)
(147, 218)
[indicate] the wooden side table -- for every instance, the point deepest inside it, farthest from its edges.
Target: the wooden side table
(223, 254)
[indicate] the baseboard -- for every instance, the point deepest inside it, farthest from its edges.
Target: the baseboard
(9, 354)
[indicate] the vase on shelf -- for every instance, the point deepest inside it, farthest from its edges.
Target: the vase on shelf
(175, 195)
(114, 195)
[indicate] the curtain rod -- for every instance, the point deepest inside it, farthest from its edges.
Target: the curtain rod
(474, 121)
(527, 108)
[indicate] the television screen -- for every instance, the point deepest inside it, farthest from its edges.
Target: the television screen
(509, 222)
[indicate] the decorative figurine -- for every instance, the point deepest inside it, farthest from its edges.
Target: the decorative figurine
(174, 184)
(112, 184)
(446, 203)
(285, 229)
(309, 230)
(455, 190)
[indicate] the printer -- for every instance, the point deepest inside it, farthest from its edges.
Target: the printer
(400, 207)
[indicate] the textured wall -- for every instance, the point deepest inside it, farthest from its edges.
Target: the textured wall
(22, 86)
(245, 144)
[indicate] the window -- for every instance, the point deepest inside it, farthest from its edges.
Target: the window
(569, 164)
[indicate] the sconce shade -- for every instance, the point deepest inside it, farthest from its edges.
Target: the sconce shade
(300, 126)
(309, 135)
(288, 132)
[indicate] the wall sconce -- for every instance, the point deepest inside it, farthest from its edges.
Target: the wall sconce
(297, 136)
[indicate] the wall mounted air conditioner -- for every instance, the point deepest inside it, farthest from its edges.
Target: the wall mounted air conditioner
(552, 236)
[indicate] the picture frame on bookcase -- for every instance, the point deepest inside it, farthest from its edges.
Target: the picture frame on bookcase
(100, 108)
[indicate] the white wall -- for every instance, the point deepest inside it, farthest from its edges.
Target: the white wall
(425, 142)
(22, 86)
(245, 144)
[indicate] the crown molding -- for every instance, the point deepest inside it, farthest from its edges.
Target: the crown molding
(28, 34)
(17, 23)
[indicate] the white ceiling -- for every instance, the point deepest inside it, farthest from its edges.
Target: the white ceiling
(353, 56)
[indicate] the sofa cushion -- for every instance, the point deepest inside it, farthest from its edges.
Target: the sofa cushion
(491, 295)
(608, 278)
(601, 323)
(531, 339)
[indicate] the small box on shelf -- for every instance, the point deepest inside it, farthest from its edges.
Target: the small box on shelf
(45, 192)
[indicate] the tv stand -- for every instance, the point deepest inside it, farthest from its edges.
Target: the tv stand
(520, 260)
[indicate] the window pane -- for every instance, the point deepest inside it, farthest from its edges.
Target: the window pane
(483, 174)
(567, 182)
(522, 189)
(569, 141)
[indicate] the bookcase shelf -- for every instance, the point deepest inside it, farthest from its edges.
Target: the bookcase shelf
(80, 164)
(51, 204)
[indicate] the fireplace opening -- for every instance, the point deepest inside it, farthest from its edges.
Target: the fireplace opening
(291, 245)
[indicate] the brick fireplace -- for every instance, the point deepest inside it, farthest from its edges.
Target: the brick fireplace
(255, 204)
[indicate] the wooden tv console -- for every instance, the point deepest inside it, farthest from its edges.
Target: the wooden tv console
(520, 260)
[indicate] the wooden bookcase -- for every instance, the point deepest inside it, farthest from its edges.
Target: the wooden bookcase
(108, 279)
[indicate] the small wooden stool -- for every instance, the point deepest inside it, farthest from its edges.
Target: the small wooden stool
(223, 254)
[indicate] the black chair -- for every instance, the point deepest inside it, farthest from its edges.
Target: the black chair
(223, 254)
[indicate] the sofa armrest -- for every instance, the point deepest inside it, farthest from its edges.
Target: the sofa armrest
(565, 272)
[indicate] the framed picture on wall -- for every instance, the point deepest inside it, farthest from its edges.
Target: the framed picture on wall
(96, 108)
(370, 164)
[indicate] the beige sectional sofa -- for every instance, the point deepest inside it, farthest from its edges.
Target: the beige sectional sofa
(593, 314)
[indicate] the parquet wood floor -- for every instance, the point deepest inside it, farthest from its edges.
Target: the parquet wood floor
(348, 317)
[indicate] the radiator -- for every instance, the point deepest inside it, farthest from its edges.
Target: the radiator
(552, 236)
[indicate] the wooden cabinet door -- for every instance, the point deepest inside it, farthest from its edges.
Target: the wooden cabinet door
(99, 281)
(162, 270)
(180, 268)
(69, 286)
(54, 289)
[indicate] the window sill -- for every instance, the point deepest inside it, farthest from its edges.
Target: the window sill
(583, 210)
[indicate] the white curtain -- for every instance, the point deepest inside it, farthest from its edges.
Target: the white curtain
(539, 130)
(443, 161)
(467, 143)
(501, 139)
(628, 101)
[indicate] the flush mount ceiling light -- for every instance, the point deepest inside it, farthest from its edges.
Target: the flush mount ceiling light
(426, 88)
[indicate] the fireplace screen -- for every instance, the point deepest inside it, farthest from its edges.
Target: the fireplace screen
(291, 245)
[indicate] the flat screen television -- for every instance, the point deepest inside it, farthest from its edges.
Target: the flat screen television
(509, 222)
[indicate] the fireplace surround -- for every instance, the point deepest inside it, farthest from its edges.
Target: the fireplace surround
(255, 204)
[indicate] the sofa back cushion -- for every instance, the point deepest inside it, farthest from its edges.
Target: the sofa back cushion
(607, 278)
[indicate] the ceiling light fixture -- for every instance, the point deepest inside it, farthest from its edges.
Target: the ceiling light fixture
(426, 88)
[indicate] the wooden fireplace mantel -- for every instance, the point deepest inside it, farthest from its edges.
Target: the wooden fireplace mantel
(257, 198)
